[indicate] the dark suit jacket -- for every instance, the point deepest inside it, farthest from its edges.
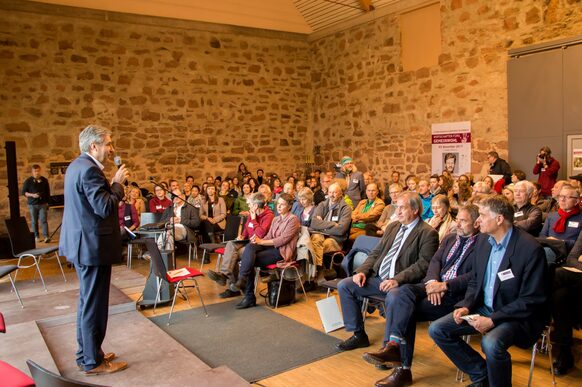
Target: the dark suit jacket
(438, 265)
(522, 298)
(90, 229)
(414, 256)
(190, 217)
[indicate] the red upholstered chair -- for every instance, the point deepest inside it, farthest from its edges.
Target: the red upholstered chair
(294, 269)
(2, 324)
(162, 274)
(13, 377)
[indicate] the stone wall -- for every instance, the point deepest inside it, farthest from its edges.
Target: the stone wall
(180, 100)
(194, 98)
(367, 106)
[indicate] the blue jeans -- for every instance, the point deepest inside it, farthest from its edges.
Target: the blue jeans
(38, 212)
(447, 334)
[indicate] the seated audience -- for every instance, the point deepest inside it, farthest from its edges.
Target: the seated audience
(566, 223)
(567, 307)
(445, 284)
(527, 216)
(278, 246)
(505, 299)
(367, 212)
(159, 202)
(411, 182)
(298, 186)
(128, 217)
(356, 189)
(330, 224)
(425, 198)
(442, 220)
(174, 185)
(136, 200)
(241, 206)
(303, 207)
(195, 198)
(277, 188)
(321, 194)
(226, 195)
(508, 193)
(187, 189)
(389, 214)
(258, 223)
(266, 191)
(481, 187)
(235, 185)
(489, 181)
(254, 185)
(260, 176)
(182, 221)
(551, 205)
(212, 215)
(401, 257)
(434, 186)
(517, 175)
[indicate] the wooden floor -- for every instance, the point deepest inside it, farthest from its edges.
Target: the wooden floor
(430, 368)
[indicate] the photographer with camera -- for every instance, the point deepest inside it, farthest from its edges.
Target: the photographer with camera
(547, 168)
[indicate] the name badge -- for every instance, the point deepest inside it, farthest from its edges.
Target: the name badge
(573, 224)
(518, 214)
(543, 169)
(505, 275)
(355, 181)
(128, 217)
(159, 207)
(334, 218)
(251, 225)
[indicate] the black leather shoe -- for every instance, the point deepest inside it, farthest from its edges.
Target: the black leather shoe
(228, 294)
(563, 364)
(480, 383)
(217, 277)
(355, 341)
(246, 302)
(399, 377)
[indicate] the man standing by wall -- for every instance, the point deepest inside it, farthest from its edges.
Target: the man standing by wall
(91, 240)
(37, 191)
(356, 189)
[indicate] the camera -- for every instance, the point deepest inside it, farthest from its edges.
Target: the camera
(541, 156)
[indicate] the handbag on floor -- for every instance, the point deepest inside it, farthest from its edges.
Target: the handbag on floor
(287, 296)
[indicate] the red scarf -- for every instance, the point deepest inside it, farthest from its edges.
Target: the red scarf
(560, 225)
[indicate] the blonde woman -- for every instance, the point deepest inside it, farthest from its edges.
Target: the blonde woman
(136, 199)
(442, 221)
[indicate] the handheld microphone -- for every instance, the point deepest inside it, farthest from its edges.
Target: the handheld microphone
(117, 161)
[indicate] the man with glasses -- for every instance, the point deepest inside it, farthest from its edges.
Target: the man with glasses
(401, 257)
(566, 223)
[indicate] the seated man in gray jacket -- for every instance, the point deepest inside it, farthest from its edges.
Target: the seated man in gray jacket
(401, 257)
(330, 224)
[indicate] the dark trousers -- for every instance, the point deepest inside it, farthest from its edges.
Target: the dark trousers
(447, 334)
(208, 231)
(351, 300)
(405, 306)
(92, 313)
(38, 214)
(256, 255)
(566, 305)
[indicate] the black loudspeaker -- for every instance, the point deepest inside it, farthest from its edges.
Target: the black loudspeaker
(12, 174)
(150, 289)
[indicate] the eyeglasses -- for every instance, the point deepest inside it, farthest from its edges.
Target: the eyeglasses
(564, 197)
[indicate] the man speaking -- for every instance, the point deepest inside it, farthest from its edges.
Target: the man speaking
(90, 239)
